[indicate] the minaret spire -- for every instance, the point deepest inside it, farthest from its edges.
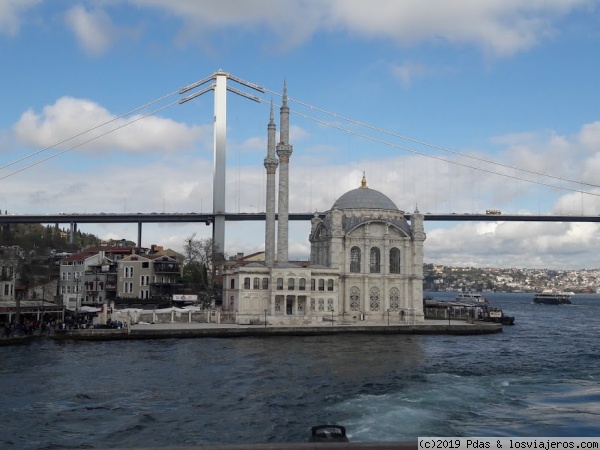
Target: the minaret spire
(284, 151)
(271, 164)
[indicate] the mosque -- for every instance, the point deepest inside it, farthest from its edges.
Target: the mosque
(366, 260)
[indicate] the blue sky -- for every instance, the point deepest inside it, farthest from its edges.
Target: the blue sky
(513, 82)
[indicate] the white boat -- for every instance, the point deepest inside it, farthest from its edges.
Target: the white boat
(553, 298)
(471, 296)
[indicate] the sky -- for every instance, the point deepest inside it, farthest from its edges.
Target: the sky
(445, 106)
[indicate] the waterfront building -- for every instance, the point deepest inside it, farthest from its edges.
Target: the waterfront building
(148, 275)
(10, 260)
(366, 261)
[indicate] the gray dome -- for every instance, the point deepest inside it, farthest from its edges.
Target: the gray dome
(364, 198)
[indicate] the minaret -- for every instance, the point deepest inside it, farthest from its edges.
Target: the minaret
(271, 164)
(284, 151)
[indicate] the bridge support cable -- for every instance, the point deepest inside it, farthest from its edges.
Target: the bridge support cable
(88, 140)
(88, 130)
(436, 147)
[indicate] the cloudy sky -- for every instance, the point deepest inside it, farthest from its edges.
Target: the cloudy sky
(446, 105)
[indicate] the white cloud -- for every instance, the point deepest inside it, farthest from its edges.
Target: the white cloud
(69, 116)
(408, 70)
(590, 135)
(502, 27)
(499, 27)
(11, 12)
(93, 29)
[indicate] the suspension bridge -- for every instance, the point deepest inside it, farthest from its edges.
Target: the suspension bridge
(219, 215)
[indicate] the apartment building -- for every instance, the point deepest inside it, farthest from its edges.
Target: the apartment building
(140, 274)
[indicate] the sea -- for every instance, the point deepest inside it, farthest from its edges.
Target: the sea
(539, 377)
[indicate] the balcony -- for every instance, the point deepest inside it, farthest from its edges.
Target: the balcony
(166, 268)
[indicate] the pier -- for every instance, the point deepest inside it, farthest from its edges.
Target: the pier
(212, 330)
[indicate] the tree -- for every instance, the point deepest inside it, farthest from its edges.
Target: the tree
(199, 269)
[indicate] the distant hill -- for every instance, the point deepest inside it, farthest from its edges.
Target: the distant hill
(41, 239)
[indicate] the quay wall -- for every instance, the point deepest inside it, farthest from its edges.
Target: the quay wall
(157, 331)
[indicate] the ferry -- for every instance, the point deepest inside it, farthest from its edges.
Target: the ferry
(471, 296)
(552, 298)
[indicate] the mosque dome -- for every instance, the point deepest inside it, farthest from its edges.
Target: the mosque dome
(364, 198)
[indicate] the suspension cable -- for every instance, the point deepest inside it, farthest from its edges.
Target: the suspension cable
(86, 131)
(89, 140)
(436, 147)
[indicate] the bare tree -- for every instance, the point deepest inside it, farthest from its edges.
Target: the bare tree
(200, 271)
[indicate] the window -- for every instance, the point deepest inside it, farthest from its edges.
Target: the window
(394, 260)
(302, 284)
(321, 284)
(394, 299)
(6, 289)
(374, 298)
(247, 283)
(355, 260)
(354, 298)
(330, 285)
(375, 258)
(232, 283)
(265, 283)
(312, 284)
(280, 284)
(145, 265)
(256, 284)
(290, 284)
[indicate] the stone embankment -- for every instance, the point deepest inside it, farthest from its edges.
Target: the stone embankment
(199, 330)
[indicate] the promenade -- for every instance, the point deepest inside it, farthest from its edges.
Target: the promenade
(200, 330)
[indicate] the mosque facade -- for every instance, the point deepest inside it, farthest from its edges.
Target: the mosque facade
(366, 261)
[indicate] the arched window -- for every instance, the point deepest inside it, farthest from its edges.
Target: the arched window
(312, 284)
(256, 283)
(394, 260)
(247, 283)
(330, 285)
(302, 284)
(355, 260)
(265, 283)
(290, 284)
(375, 259)
(280, 284)
(321, 284)
(232, 283)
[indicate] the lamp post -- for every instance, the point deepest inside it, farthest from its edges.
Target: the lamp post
(388, 311)
(265, 318)
(332, 317)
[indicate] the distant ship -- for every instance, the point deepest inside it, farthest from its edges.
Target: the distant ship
(552, 298)
(471, 296)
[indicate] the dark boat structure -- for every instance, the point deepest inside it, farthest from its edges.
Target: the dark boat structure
(468, 306)
(552, 298)
(496, 315)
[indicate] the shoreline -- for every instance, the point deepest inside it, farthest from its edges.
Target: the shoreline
(210, 330)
